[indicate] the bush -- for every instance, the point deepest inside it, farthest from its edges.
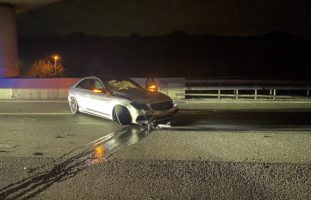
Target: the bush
(46, 69)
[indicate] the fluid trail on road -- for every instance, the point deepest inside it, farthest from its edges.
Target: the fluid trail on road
(70, 164)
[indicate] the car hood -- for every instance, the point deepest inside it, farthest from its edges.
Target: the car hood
(141, 96)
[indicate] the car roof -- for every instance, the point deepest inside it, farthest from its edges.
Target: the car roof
(108, 77)
(105, 79)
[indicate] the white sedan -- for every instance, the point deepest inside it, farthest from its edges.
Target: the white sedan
(120, 100)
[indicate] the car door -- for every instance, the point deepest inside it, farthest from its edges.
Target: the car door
(82, 93)
(99, 99)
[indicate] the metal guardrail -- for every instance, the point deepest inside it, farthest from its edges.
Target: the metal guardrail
(235, 89)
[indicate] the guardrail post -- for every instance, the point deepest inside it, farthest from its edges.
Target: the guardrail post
(255, 94)
(236, 94)
(219, 94)
(308, 92)
(274, 94)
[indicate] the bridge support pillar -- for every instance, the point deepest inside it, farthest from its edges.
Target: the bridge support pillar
(8, 42)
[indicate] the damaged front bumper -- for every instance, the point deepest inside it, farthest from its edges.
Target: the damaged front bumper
(163, 116)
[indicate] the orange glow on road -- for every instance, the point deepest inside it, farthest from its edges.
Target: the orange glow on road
(99, 152)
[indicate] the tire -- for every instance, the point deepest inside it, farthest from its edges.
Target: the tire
(74, 107)
(121, 115)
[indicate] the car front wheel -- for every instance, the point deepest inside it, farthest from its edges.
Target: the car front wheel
(74, 107)
(121, 115)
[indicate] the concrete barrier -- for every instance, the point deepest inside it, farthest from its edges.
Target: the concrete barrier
(35, 89)
(57, 88)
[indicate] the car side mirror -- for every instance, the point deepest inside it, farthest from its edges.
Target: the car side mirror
(100, 91)
(152, 88)
(151, 85)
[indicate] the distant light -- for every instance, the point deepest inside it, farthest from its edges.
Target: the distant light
(56, 57)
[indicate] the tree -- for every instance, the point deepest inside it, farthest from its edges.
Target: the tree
(46, 69)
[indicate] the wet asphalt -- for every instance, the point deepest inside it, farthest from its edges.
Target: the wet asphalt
(248, 120)
(46, 153)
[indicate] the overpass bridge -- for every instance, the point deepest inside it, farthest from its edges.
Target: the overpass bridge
(8, 33)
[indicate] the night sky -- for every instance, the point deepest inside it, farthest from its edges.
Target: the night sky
(160, 37)
(159, 17)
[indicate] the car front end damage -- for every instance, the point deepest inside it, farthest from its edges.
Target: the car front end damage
(153, 112)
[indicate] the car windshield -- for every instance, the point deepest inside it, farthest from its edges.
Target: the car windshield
(122, 84)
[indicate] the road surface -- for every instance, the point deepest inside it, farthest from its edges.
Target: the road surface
(211, 153)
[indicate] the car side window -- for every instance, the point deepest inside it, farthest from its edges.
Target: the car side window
(85, 84)
(98, 85)
(90, 84)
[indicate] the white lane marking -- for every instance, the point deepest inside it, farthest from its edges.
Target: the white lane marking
(21, 101)
(35, 114)
(247, 102)
(84, 123)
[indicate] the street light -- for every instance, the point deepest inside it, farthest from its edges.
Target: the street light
(56, 58)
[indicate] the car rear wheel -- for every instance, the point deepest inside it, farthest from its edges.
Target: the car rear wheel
(121, 115)
(74, 107)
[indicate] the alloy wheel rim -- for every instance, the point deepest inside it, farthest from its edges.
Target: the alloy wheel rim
(73, 105)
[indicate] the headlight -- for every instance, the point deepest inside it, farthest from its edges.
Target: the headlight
(140, 106)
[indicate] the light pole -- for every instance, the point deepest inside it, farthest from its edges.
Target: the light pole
(55, 57)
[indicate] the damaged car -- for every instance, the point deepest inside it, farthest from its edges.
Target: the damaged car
(121, 100)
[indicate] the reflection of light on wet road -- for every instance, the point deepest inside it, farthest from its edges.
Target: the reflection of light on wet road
(99, 153)
(104, 147)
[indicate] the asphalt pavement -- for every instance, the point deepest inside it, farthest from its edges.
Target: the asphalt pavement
(259, 151)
